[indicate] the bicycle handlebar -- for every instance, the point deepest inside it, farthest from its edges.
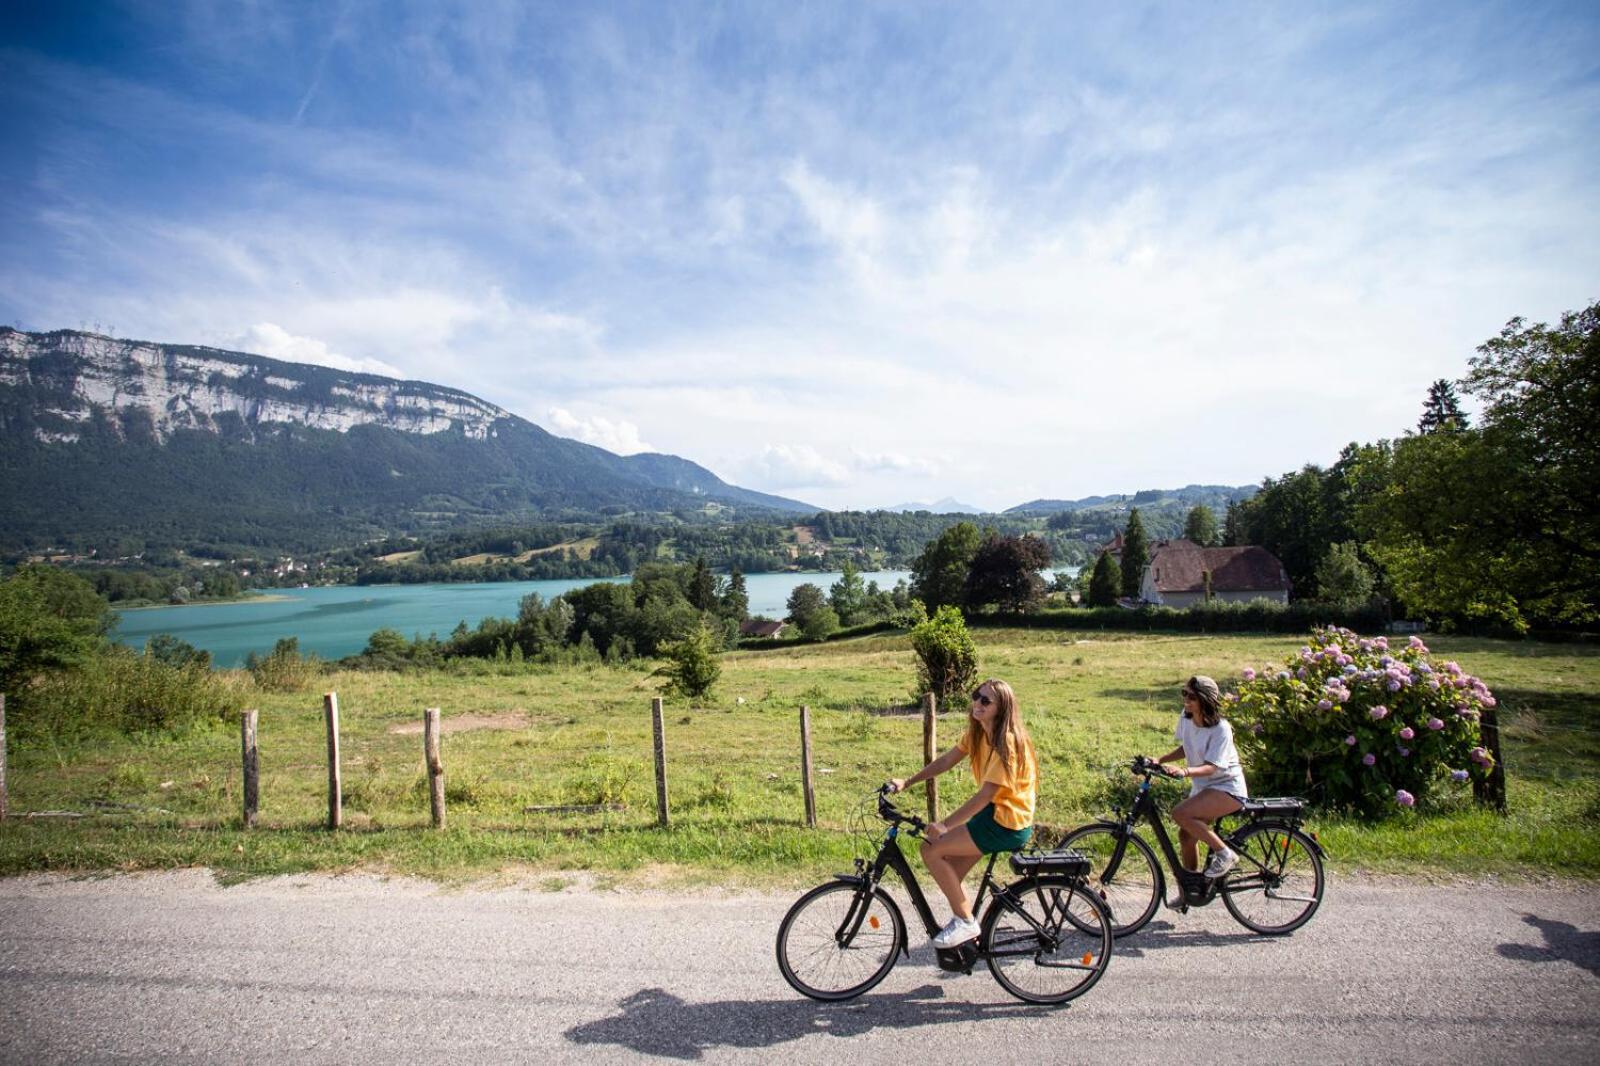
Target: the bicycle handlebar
(1143, 764)
(890, 813)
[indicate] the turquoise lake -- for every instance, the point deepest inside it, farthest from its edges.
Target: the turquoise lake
(335, 622)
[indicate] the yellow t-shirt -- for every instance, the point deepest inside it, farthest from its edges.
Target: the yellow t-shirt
(1018, 792)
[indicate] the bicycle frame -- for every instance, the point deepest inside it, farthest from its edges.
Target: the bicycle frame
(1198, 889)
(891, 858)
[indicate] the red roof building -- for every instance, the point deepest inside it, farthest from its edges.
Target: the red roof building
(1182, 574)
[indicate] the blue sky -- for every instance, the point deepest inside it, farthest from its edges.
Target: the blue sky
(853, 253)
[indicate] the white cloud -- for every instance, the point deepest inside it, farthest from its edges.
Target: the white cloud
(270, 339)
(795, 466)
(614, 435)
(895, 463)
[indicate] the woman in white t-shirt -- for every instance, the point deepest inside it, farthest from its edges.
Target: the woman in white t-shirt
(1216, 780)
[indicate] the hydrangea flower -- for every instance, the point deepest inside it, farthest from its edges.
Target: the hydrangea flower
(1416, 645)
(1324, 705)
(1435, 724)
(1379, 713)
(1283, 675)
(1369, 759)
(1248, 673)
(1459, 775)
(1406, 732)
(1404, 752)
(1404, 798)
(1480, 756)
(1350, 740)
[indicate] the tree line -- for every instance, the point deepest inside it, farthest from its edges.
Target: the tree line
(1492, 525)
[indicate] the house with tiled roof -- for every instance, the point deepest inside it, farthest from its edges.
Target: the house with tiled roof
(761, 627)
(1182, 574)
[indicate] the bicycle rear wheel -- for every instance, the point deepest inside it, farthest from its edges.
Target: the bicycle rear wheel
(1132, 890)
(838, 940)
(1278, 884)
(1047, 940)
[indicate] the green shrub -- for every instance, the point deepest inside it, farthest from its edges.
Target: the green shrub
(602, 779)
(120, 690)
(284, 669)
(947, 659)
(692, 667)
(1355, 726)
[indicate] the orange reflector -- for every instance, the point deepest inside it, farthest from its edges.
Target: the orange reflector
(873, 921)
(1088, 957)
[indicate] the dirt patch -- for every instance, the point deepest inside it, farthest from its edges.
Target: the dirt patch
(460, 723)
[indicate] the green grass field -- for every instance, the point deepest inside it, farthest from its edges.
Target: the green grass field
(554, 737)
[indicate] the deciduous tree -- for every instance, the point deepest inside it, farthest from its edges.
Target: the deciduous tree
(1201, 526)
(939, 574)
(1004, 574)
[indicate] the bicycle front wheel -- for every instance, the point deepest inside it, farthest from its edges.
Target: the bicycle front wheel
(1278, 884)
(1123, 871)
(1047, 940)
(838, 940)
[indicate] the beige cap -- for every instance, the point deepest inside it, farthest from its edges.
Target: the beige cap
(1201, 685)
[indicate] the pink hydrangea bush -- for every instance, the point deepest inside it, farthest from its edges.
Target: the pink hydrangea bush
(1414, 724)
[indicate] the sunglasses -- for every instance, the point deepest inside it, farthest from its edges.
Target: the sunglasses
(981, 699)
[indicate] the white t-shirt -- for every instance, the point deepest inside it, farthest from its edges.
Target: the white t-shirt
(1212, 745)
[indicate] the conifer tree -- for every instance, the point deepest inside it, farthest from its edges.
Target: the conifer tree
(1441, 412)
(736, 600)
(1105, 583)
(702, 586)
(1135, 555)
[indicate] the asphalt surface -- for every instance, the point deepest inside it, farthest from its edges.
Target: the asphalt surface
(172, 968)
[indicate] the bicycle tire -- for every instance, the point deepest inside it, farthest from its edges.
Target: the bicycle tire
(1279, 881)
(813, 961)
(1133, 892)
(1060, 953)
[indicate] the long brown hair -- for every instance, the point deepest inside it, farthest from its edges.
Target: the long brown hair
(1208, 696)
(1009, 732)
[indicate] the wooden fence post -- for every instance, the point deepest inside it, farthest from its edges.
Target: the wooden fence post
(330, 708)
(252, 766)
(430, 750)
(656, 711)
(1493, 789)
(805, 766)
(930, 741)
(2, 756)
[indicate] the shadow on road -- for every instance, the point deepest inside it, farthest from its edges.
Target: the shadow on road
(653, 1021)
(1162, 935)
(1562, 940)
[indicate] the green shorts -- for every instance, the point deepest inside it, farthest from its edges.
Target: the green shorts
(991, 836)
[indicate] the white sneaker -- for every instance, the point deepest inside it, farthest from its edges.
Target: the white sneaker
(1221, 862)
(956, 931)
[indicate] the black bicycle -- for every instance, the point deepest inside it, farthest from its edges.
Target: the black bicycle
(1046, 936)
(1275, 888)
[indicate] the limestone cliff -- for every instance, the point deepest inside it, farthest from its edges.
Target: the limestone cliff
(67, 377)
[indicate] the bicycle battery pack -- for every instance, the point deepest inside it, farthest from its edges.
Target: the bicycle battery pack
(1066, 861)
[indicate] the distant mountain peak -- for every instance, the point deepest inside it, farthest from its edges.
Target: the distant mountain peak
(98, 433)
(948, 505)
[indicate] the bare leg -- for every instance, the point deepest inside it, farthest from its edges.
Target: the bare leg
(949, 859)
(1194, 817)
(1187, 847)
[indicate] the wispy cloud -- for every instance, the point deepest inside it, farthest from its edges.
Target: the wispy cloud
(614, 436)
(872, 254)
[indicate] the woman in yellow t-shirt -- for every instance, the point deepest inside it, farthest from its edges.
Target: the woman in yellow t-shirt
(998, 818)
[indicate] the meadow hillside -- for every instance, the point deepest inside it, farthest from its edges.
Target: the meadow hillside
(520, 737)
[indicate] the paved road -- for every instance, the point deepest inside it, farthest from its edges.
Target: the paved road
(171, 968)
